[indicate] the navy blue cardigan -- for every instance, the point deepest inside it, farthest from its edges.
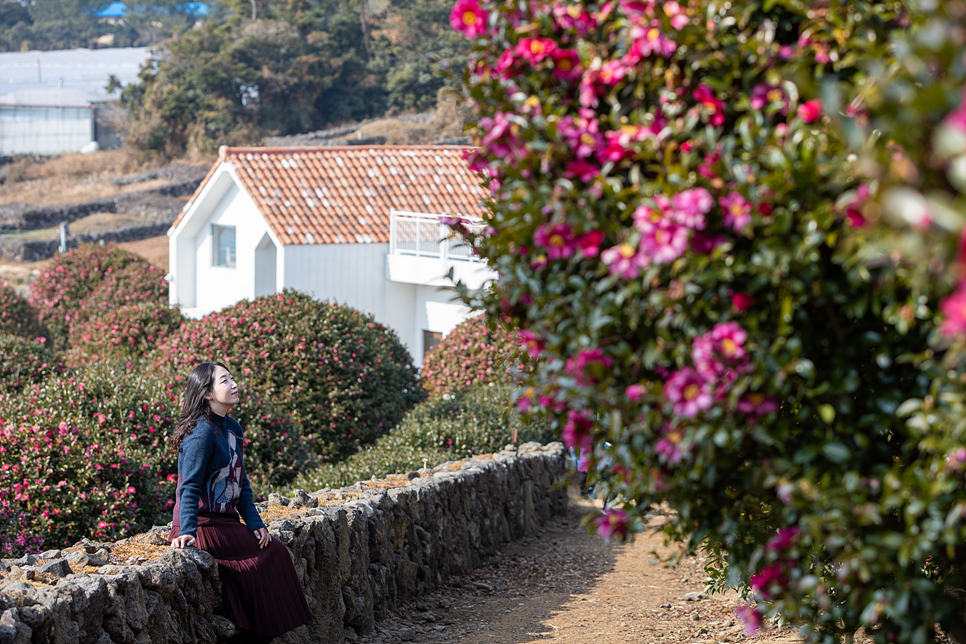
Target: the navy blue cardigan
(211, 476)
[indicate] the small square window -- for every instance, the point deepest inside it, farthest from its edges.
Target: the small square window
(430, 340)
(223, 246)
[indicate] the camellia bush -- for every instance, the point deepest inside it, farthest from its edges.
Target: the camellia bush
(124, 333)
(340, 376)
(471, 354)
(24, 361)
(85, 455)
(17, 317)
(92, 277)
(725, 307)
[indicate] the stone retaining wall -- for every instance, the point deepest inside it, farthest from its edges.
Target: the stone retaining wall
(355, 560)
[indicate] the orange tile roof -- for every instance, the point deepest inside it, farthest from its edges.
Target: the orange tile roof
(332, 195)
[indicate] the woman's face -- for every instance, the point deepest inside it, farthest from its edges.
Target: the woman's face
(224, 392)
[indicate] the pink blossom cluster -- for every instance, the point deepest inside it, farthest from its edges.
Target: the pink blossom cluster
(664, 230)
(612, 523)
(719, 356)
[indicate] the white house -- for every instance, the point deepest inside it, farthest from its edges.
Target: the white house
(355, 225)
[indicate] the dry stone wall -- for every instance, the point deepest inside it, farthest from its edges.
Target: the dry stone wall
(354, 561)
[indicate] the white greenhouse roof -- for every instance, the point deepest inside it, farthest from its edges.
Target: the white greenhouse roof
(69, 77)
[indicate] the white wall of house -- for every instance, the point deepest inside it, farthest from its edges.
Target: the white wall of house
(197, 284)
(436, 311)
(353, 274)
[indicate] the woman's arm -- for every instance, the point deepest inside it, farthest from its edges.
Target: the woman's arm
(246, 506)
(196, 451)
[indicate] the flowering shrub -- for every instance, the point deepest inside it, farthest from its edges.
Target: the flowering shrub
(84, 456)
(470, 355)
(60, 293)
(686, 226)
(124, 333)
(340, 376)
(24, 361)
(475, 420)
(17, 317)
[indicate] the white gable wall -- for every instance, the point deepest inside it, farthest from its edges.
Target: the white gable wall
(353, 274)
(197, 285)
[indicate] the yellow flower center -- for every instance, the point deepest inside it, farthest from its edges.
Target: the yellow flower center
(531, 102)
(775, 95)
(627, 251)
(540, 259)
(574, 11)
(736, 208)
(537, 47)
(756, 399)
(660, 235)
(675, 437)
(614, 519)
(556, 240)
(691, 391)
(728, 346)
(469, 18)
(565, 64)
(652, 34)
(587, 139)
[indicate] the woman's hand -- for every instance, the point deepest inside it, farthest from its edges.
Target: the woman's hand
(263, 537)
(183, 541)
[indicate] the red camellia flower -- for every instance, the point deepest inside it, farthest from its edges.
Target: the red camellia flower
(469, 18)
(742, 301)
(811, 110)
(954, 308)
(566, 64)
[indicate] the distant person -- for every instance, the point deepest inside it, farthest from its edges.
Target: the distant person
(262, 590)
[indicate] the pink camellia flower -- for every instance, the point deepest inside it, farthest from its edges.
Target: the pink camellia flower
(587, 95)
(574, 16)
(529, 341)
(534, 50)
(625, 260)
(956, 459)
(566, 64)
(674, 11)
(741, 301)
(558, 239)
(757, 404)
(506, 64)
(704, 95)
(647, 42)
(954, 308)
(669, 446)
(583, 170)
(957, 118)
(664, 241)
(728, 339)
(635, 392)
(469, 18)
(771, 575)
(587, 364)
(583, 135)
(614, 522)
(762, 95)
(688, 392)
(737, 211)
(691, 206)
(590, 243)
(576, 433)
(784, 539)
(612, 72)
(500, 138)
(811, 110)
(751, 618)
(620, 142)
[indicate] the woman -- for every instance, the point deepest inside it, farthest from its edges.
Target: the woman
(261, 588)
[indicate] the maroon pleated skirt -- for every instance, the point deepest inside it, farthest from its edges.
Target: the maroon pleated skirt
(261, 587)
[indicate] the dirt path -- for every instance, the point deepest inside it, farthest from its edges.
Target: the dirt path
(567, 587)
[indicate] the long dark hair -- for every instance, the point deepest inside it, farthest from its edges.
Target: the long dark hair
(195, 406)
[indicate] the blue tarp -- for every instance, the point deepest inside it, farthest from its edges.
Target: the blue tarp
(118, 9)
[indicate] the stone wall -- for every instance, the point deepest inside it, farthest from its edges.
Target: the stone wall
(355, 560)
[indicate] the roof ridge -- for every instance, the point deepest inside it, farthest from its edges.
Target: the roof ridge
(317, 148)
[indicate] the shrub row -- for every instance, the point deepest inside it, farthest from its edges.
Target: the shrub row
(476, 420)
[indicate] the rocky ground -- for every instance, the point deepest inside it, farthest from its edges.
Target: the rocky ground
(567, 587)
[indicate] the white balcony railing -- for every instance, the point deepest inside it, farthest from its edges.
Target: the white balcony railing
(422, 235)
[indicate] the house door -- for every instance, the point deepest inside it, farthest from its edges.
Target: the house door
(265, 263)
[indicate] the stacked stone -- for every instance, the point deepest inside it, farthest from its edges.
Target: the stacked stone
(354, 561)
